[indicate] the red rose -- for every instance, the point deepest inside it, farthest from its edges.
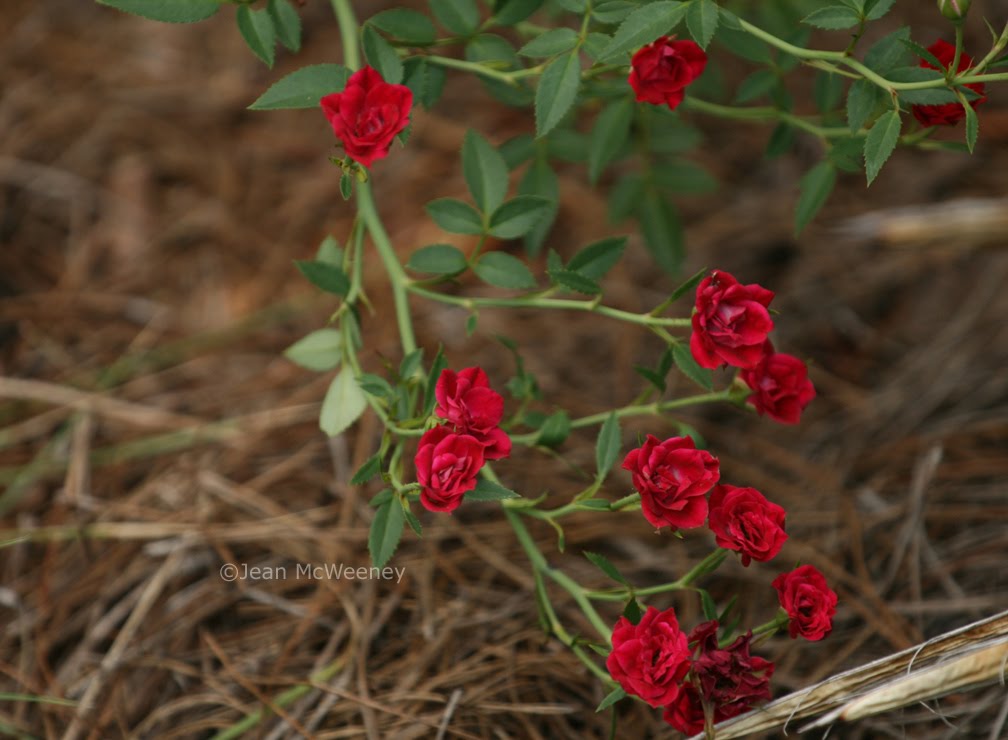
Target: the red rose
(673, 478)
(686, 713)
(730, 322)
(660, 72)
(948, 114)
(743, 520)
(466, 400)
(649, 659)
(780, 385)
(368, 114)
(808, 600)
(730, 679)
(446, 466)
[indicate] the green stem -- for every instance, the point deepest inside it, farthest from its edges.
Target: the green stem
(397, 276)
(650, 409)
(707, 565)
(348, 32)
(474, 67)
(561, 304)
(954, 67)
(763, 113)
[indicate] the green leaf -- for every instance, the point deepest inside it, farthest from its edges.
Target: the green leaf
(553, 42)
(683, 176)
(613, 11)
(437, 367)
(487, 490)
(380, 498)
(375, 385)
(343, 404)
(426, 81)
(256, 28)
(598, 258)
(972, 127)
(438, 259)
(381, 56)
(863, 99)
(287, 23)
(702, 20)
(406, 25)
(515, 217)
(510, 12)
(167, 11)
(540, 180)
(688, 286)
(455, 216)
(367, 471)
(594, 44)
(411, 519)
(880, 142)
(928, 96)
(633, 611)
(386, 531)
(833, 18)
(816, 186)
(924, 54)
(609, 135)
(875, 9)
(611, 698)
(554, 430)
(828, 89)
(688, 366)
(659, 223)
(329, 251)
(710, 610)
(607, 446)
(485, 172)
(643, 26)
(458, 16)
(574, 281)
(303, 88)
(517, 149)
(321, 350)
(470, 325)
(602, 563)
(847, 154)
(411, 364)
(328, 277)
(504, 271)
(557, 90)
(756, 85)
(889, 52)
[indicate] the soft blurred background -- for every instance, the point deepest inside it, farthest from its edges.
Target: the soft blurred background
(148, 224)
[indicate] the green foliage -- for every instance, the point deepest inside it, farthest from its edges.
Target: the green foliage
(643, 26)
(381, 56)
(386, 531)
(406, 25)
(503, 270)
(485, 172)
(303, 88)
(343, 404)
(438, 259)
(487, 490)
(455, 216)
(880, 143)
(816, 186)
(325, 275)
(286, 24)
(256, 27)
(556, 92)
(167, 11)
(321, 350)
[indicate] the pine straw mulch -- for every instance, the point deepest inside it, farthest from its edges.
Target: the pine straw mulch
(151, 431)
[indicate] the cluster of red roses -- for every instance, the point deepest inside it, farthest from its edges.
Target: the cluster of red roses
(731, 324)
(451, 455)
(655, 660)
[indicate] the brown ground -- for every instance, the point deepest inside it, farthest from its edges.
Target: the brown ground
(148, 223)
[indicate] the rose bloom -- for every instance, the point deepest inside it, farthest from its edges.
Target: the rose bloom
(660, 72)
(744, 521)
(466, 400)
(780, 386)
(730, 322)
(948, 114)
(650, 658)
(673, 478)
(730, 679)
(446, 466)
(808, 600)
(686, 713)
(367, 114)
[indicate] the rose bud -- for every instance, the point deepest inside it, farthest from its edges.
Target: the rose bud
(730, 322)
(673, 478)
(367, 115)
(446, 464)
(809, 602)
(649, 659)
(660, 72)
(954, 10)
